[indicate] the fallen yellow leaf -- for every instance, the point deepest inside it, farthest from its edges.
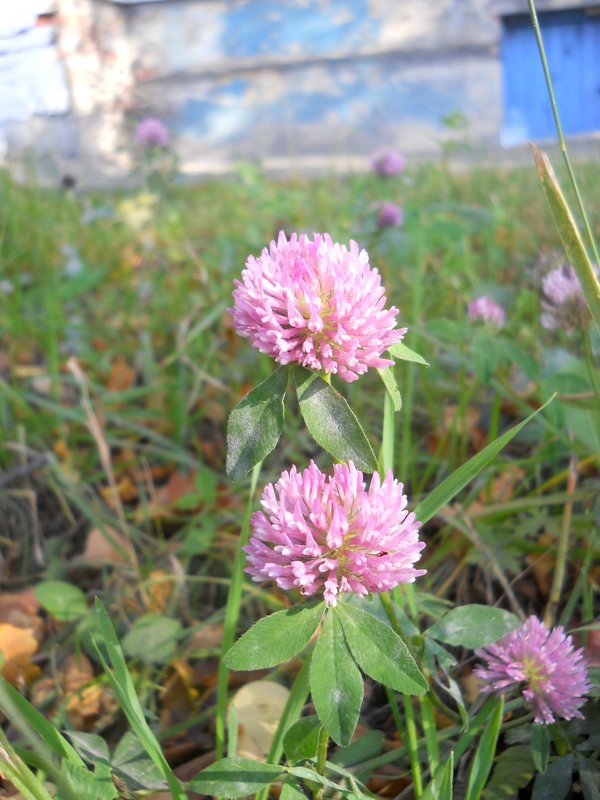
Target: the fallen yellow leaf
(17, 646)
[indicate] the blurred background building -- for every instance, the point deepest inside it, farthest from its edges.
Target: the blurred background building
(307, 84)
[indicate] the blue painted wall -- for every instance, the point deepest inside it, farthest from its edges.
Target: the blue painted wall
(572, 42)
(323, 83)
(271, 27)
(363, 100)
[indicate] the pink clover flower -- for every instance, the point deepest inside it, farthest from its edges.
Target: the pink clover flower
(387, 162)
(486, 310)
(565, 303)
(551, 671)
(390, 216)
(151, 132)
(316, 303)
(332, 534)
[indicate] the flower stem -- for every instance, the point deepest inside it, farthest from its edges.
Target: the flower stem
(388, 607)
(321, 759)
(563, 545)
(232, 612)
(413, 748)
(386, 458)
(430, 731)
(409, 723)
(559, 130)
(291, 713)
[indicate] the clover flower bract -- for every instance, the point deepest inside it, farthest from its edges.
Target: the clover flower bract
(552, 672)
(151, 132)
(316, 303)
(487, 310)
(329, 533)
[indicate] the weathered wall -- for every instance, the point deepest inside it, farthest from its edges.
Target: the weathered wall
(85, 137)
(306, 83)
(315, 82)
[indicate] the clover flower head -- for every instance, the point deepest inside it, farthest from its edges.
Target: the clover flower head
(564, 303)
(387, 162)
(551, 672)
(390, 216)
(487, 310)
(316, 303)
(151, 132)
(332, 534)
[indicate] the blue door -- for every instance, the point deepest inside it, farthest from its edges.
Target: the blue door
(572, 42)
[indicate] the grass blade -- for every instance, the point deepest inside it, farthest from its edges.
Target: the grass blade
(445, 790)
(451, 486)
(19, 774)
(232, 612)
(120, 679)
(484, 755)
(559, 130)
(22, 714)
(569, 233)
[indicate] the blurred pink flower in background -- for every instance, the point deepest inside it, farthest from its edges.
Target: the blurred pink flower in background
(390, 216)
(487, 310)
(329, 533)
(553, 673)
(387, 162)
(565, 304)
(151, 132)
(316, 303)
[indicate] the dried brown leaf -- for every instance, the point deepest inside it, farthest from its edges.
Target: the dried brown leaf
(106, 546)
(122, 376)
(17, 646)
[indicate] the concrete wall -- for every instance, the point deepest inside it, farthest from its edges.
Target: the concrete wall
(301, 83)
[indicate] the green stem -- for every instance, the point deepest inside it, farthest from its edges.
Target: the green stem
(582, 581)
(408, 388)
(388, 607)
(37, 743)
(563, 545)
(19, 774)
(396, 755)
(559, 130)
(386, 457)
(560, 739)
(232, 612)
(493, 428)
(291, 713)
(463, 744)
(413, 747)
(409, 724)
(395, 709)
(515, 723)
(589, 362)
(430, 731)
(321, 759)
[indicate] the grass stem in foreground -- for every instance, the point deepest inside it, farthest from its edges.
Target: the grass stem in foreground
(413, 750)
(559, 130)
(563, 546)
(321, 759)
(232, 611)
(430, 731)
